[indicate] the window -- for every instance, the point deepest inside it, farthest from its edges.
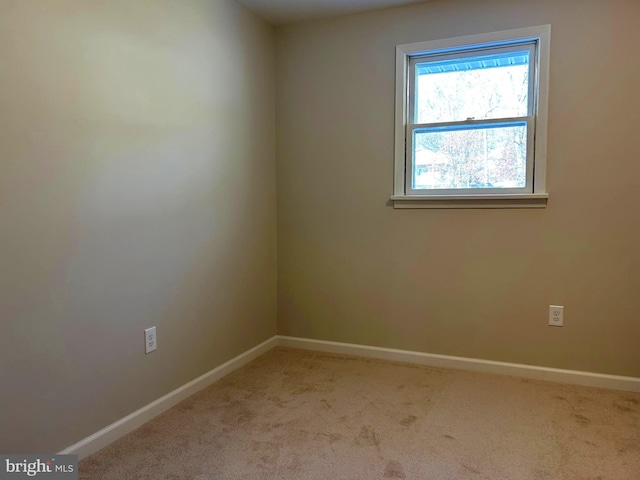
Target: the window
(471, 116)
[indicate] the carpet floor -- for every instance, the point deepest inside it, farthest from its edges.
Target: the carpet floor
(292, 414)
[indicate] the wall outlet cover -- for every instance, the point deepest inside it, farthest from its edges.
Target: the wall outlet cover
(556, 315)
(150, 340)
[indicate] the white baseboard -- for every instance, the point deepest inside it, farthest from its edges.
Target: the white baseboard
(118, 429)
(614, 382)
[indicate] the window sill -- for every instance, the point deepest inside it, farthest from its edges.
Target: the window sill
(527, 200)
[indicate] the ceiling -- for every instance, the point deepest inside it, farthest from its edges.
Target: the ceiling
(280, 12)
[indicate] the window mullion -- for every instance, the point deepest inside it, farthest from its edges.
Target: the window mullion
(490, 121)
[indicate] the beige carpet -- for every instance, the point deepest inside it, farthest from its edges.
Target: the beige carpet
(300, 415)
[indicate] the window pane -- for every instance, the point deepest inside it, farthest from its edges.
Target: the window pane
(477, 87)
(479, 156)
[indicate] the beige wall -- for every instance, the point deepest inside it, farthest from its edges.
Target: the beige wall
(473, 283)
(137, 188)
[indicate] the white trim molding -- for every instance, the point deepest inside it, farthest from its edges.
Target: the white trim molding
(574, 377)
(120, 428)
(514, 200)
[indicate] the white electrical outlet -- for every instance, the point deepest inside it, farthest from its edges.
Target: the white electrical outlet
(150, 340)
(556, 315)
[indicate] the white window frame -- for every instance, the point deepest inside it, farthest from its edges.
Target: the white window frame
(534, 195)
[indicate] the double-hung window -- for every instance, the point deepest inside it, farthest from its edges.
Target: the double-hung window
(471, 121)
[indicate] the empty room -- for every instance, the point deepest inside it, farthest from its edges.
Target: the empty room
(351, 239)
